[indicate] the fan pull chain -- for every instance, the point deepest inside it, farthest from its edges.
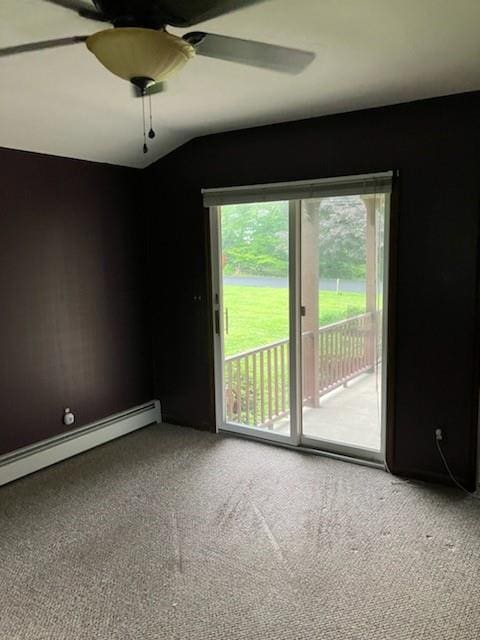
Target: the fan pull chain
(151, 133)
(145, 148)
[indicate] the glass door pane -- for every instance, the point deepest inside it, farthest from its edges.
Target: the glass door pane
(342, 245)
(254, 262)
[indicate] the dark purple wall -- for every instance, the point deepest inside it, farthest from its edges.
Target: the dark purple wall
(73, 322)
(435, 145)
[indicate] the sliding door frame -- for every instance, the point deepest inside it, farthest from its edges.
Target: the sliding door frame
(349, 450)
(294, 323)
(296, 439)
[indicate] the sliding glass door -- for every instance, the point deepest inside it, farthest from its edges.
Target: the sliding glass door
(253, 316)
(342, 255)
(300, 284)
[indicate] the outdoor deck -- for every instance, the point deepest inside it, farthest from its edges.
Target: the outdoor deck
(340, 384)
(348, 415)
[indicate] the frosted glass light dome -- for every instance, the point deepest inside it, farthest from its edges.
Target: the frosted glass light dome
(132, 52)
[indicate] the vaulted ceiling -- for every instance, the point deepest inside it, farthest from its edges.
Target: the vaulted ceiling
(369, 53)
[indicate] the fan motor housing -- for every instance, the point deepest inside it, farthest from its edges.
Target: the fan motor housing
(148, 14)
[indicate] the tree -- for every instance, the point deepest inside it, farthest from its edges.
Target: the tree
(342, 237)
(255, 238)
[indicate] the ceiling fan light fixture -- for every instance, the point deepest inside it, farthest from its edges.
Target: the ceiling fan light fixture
(132, 52)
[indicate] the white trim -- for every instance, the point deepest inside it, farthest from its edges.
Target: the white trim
(349, 451)
(305, 448)
(294, 286)
(385, 328)
(217, 315)
(27, 460)
(257, 433)
(299, 189)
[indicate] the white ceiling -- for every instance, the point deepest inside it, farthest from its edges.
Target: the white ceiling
(369, 53)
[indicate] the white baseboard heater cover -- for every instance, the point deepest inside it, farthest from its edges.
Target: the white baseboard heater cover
(47, 452)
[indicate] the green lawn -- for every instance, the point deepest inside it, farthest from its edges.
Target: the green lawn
(259, 315)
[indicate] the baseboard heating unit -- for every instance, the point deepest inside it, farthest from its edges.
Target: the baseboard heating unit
(47, 452)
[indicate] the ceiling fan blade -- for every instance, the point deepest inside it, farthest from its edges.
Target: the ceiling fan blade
(256, 54)
(43, 44)
(186, 13)
(83, 8)
(157, 87)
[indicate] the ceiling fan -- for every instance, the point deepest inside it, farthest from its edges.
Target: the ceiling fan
(141, 50)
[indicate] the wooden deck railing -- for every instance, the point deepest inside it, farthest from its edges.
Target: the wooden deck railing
(257, 384)
(257, 381)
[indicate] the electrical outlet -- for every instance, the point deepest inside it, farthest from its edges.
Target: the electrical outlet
(68, 417)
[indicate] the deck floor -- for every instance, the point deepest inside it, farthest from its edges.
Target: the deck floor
(349, 415)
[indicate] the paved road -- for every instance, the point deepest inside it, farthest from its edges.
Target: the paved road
(350, 286)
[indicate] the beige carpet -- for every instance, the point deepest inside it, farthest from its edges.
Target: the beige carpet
(174, 534)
